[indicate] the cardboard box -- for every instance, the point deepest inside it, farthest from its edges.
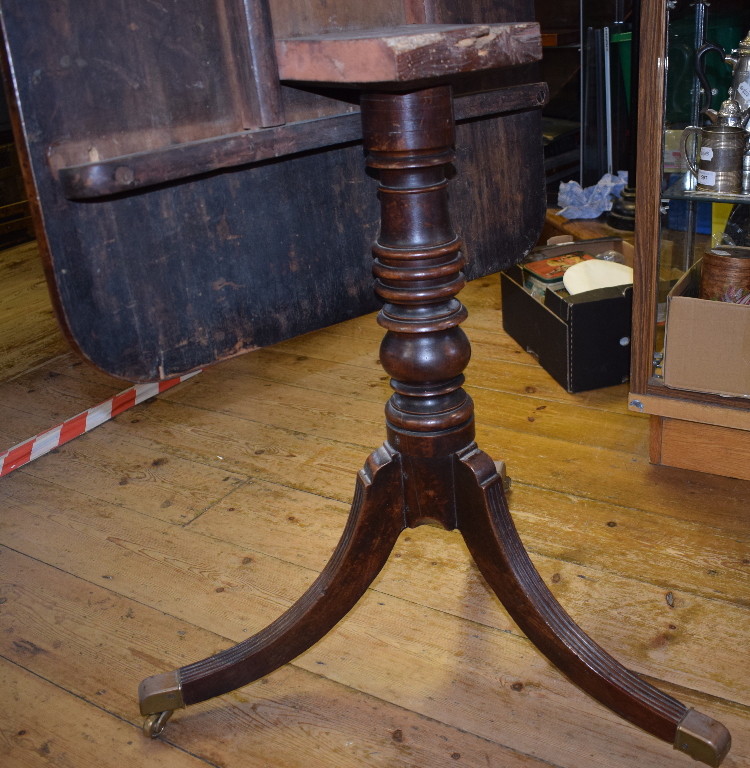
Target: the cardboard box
(707, 343)
(582, 341)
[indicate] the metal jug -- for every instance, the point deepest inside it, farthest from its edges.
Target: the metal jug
(739, 60)
(720, 165)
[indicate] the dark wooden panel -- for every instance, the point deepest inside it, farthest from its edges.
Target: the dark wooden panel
(293, 18)
(488, 11)
(157, 282)
(123, 174)
(311, 103)
(129, 76)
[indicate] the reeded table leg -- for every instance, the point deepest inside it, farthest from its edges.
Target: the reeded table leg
(430, 468)
(375, 521)
(492, 539)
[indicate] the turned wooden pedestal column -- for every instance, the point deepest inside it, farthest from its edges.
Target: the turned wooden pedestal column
(418, 260)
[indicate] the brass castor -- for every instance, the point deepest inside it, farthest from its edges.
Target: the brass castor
(154, 724)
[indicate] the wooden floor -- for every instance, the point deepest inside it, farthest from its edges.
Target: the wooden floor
(194, 519)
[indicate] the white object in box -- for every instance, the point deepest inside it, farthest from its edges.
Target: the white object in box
(590, 275)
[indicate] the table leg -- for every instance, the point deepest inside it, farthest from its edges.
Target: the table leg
(375, 522)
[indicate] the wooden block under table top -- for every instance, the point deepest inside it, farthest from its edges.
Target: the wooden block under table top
(407, 53)
(702, 447)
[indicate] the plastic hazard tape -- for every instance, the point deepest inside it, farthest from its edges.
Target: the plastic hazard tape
(43, 443)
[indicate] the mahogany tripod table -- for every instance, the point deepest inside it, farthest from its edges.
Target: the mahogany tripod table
(429, 469)
(189, 207)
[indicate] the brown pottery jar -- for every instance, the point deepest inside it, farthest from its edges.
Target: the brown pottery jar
(726, 275)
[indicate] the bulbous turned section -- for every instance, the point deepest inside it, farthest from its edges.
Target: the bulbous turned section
(425, 357)
(418, 262)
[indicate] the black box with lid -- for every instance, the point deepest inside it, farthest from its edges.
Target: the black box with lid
(582, 341)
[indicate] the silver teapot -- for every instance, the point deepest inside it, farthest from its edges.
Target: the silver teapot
(730, 114)
(739, 60)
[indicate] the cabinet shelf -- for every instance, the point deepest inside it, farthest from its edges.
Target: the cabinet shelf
(684, 189)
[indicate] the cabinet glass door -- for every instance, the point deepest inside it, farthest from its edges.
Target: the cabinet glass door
(693, 217)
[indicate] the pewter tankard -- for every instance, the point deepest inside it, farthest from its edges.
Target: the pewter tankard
(720, 157)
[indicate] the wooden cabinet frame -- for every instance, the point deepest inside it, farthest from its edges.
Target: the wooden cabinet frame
(648, 393)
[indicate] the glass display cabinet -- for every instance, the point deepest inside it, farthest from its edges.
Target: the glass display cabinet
(691, 357)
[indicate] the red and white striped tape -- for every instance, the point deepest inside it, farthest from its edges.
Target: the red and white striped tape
(43, 443)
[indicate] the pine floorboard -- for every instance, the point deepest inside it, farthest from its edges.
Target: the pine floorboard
(196, 518)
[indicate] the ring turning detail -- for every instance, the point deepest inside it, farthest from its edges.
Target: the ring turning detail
(430, 469)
